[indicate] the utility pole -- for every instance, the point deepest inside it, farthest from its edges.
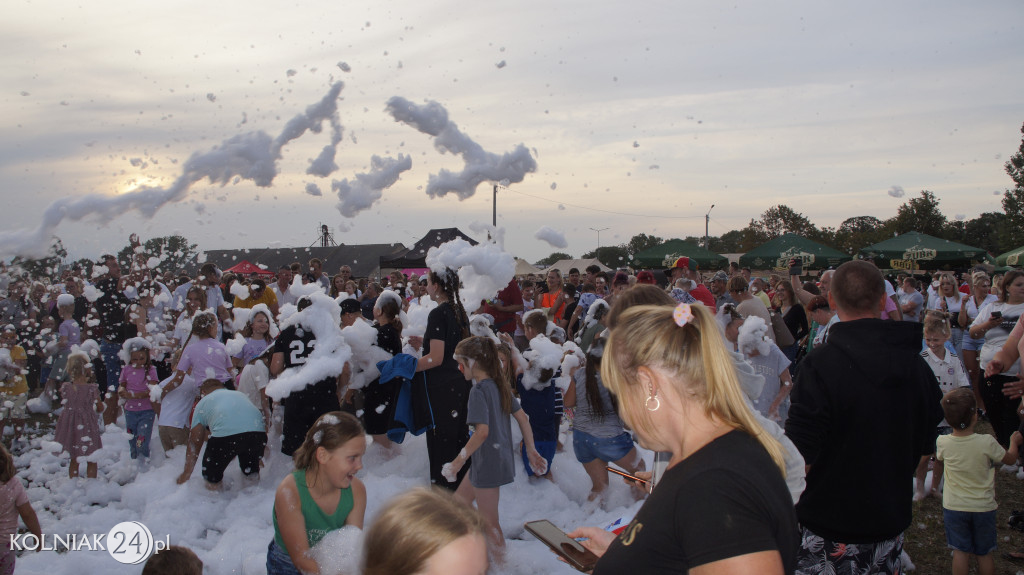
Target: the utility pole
(707, 220)
(494, 204)
(599, 230)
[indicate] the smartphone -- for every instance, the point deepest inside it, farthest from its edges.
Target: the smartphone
(796, 266)
(997, 314)
(646, 484)
(581, 558)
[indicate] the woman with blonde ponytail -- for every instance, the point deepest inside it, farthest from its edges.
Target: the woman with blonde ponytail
(723, 505)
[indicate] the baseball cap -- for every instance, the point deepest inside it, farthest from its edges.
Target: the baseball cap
(720, 276)
(684, 263)
(350, 305)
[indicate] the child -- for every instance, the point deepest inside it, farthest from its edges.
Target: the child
(13, 503)
(968, 500)
(78, 430)
(136, 377)
(13, 387)
(324, 478)
(750, 337)
(529, 290)
(490, 445)
(70, 334)
(541, 400)
(426, 531)
(175, 560)
(259, 332)
(950, 372)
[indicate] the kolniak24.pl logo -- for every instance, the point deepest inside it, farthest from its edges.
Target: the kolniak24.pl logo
(128, 542)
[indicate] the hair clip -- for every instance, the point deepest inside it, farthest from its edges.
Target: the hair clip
(682, 314)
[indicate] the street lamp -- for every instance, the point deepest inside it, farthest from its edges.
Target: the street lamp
(599, 230)
(707, 220)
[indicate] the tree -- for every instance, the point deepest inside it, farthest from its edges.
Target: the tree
(1012, 233)
(779, 220)
(858, 232)
(920, 215)
(554, 257)
(174, 252)
(611, 256)
(982, 232)
(48, 266)
(728, 243)
(641, 242)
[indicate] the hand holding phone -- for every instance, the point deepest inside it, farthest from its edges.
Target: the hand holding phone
(796, 266)
(580, 556)
(644, 484)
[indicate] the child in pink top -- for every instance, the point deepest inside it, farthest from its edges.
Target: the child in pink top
(13, 503)
(138, 410)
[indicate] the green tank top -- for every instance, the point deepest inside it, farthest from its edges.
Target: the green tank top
(318, 523)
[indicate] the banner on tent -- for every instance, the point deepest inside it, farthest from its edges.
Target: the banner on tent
(902, 264)
(917, 253)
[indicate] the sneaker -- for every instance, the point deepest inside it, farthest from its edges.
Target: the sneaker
(919, 495)
(1009, 469)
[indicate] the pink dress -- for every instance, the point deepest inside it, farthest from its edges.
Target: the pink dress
(78, 428)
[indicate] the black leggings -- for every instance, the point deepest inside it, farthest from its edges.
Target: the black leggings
(1001, 410)
(449, 398)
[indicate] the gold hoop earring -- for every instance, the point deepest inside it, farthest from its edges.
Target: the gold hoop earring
(657, 403)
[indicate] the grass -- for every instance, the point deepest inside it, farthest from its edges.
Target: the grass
(925, 540)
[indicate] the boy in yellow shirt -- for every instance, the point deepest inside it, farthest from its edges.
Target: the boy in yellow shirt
(13, 387)
(969, 495)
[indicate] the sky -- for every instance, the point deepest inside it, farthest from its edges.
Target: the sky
(638, 116)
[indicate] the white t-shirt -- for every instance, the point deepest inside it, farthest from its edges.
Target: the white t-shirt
(176, 406)
(949, 371)
(952, 303)
(997, 336)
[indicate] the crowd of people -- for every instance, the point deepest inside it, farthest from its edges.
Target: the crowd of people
(759, 400)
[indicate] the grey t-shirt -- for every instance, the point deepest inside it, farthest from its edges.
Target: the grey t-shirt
(493, 463)
(589, 420)
(915, 297)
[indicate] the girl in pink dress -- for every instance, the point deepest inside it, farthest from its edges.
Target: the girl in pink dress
(13, 504)
(78, 428)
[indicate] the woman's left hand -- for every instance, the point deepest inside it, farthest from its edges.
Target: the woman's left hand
(1014, 389)
(597, 539)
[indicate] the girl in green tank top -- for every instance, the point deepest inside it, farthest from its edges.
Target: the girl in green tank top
(321, 495)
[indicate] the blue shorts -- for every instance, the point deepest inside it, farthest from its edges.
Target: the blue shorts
(546, 449)
(589, 448)
(973, 533)
(971, 344)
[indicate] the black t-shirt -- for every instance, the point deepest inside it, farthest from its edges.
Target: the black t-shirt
(727, 499)
(297, 343)
(389, 339)
(110, 307)
(796, 321)
(442, 324)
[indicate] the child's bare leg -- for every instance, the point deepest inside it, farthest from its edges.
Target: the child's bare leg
(598, 477)
(961, 562)
(110, 411)
(465, 492)
(487, 504)
(91, 470)
(936, 477)
(986, 565)
(19, 426)
(919, 474)
(73, 468)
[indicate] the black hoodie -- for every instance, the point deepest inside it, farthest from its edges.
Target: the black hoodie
(865, 407)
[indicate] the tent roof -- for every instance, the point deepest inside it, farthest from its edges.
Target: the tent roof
(362, 258)
(777, 253)
(914, 250)
(416, 256)
(656, 256)
(565, 265)
(524, 267)
(245, 267)
(1011, 258)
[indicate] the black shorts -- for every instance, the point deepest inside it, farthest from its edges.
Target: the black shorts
(248, 447)
(301, 410)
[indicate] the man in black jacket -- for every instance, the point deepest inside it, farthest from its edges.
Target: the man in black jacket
(865, 408)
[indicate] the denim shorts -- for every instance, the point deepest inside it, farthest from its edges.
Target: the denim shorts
(279, 562)
(971, 344)
(589, 448)
(970, 532)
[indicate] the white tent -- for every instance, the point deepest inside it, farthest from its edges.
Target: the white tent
(565, 265)
(524, 268)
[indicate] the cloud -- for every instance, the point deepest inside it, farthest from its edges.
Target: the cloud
(896, 192)
(313, 189)
(480, 165)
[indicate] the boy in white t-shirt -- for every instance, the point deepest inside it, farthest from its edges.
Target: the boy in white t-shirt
(969, 498)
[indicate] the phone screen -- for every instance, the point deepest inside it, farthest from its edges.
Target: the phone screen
(577, 555)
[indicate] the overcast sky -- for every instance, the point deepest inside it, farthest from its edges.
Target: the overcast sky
(652, 110)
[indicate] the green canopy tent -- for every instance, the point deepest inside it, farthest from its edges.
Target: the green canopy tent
(915, 251)
(1011, 258)
(663, 255)
(776, 254)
